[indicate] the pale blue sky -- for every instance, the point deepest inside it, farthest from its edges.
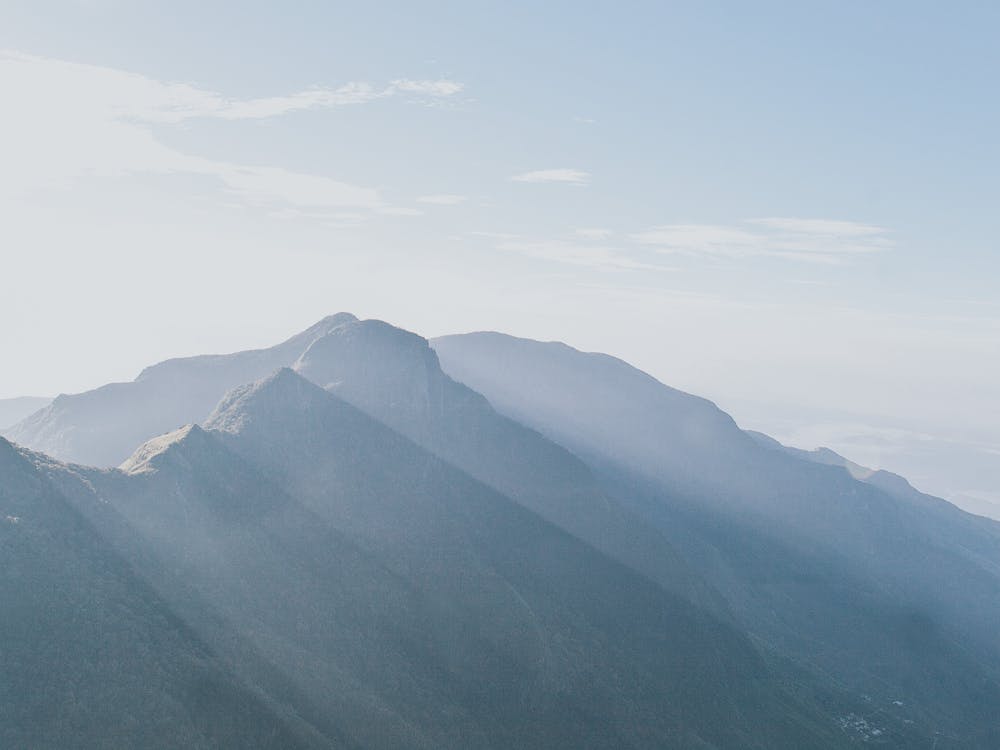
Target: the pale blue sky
(787, 207)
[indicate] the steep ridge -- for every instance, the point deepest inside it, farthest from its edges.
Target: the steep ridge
(102, 427)
(841, 576)
(886, 481)
(545, 619)
(600, 407)
(90, 655)
(394, 375)
(350, 639)
(846, 585)
(13, 410)
(384, 599)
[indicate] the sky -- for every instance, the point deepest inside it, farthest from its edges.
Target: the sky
(789, 208)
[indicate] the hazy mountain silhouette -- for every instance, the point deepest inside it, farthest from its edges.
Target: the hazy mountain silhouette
(887, 481)
(393, 375)
(103, 426)
(892, 593)
(13, 410)
(520, 600)
(374, 596)
(540, 548)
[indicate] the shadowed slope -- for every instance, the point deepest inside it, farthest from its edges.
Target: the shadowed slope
(895, 595)
(394, 375)
(549, 643)
(90, 655)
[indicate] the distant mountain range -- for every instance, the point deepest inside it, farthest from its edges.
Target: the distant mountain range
(362, 539)
(13, 410)
(102, 427)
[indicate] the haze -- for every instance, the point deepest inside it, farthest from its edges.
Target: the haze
(787, 210)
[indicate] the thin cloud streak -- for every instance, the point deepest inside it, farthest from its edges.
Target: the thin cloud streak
(66, 120)
(569, 176)
(808, 240)
(593, 233)
(820, 226)
(442, 199)
(594, 256)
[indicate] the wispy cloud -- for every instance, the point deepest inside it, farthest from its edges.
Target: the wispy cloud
(811, 240)
(441, 87)
(177, 102)
(579, 254)
(400, 211)
(442, 199)
(593, 233)
(273, 185)
(827, 227)
(570, 176)
(64, 120)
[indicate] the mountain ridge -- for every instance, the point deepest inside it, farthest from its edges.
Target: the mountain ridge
(804, 553)
(102, 427)
(395, 376)
(418, 580)
(92, 654)
(405, 515)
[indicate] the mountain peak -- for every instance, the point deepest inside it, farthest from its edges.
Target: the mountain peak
(284, 392)
(148, 456)
(384, 370)
(337, 319)
(325, 326)
(103, 426)
(284, 353)
(371, 341)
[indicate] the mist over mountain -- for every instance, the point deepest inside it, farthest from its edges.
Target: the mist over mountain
(379, 597)
(887, 481)
(393, 375)
(362, 539)
(13, 410)
(856, 579)
(103, 426)
(231, 520)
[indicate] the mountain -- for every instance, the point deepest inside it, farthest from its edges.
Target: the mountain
(524, 601)
(103, 426)
(393, 375)
(892, 483)
(887, 481)
(980, 506)
(364, 525)
(891, 594)
(13, 410)
(377, 596)
(90, 654)
(598, 406)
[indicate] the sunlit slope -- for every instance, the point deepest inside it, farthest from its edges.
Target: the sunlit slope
(893, 595)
